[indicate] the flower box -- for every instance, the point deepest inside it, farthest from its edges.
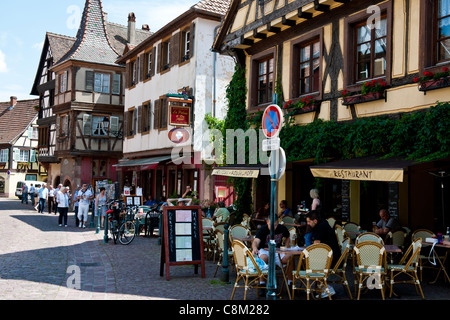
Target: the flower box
(434, 84)
(308, 108)
(361, 98)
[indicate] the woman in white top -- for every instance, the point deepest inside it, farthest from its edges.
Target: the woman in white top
(62, 198)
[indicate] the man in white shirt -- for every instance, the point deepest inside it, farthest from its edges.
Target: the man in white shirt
(43, 193)
(62, 198)
(84, 197)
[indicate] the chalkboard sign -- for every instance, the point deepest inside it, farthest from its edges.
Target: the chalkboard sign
(345, 196)
(183, 238)
(393, 199)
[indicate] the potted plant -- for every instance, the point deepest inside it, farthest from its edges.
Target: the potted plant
(430, 80)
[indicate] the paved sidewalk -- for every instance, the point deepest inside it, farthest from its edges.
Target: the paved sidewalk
(36, 254)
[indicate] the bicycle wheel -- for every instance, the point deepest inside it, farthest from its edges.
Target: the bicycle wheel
(127, 232)
(113, 230)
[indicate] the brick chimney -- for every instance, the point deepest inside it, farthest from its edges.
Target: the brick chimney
(131, 28)
(145, 27)
(13, 101)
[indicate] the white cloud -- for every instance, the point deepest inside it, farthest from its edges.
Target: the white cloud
(38, 45)
(3, 66)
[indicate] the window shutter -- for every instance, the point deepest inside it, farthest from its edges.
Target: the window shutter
(163, 109)
(125, 124)
(33, 156)
(116, 84)
(114, 126)
(149, 115)
(87, 125)
(175, 49)
(139, 119)
(142, 68)
(156, 115)
(127, 75)
(192, 39)
(160, 58)
(89, 81)
(152, 71)
(16, 155)
(30, 132)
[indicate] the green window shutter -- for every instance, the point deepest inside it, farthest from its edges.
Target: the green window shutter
(116, 84)
(16, 155)
(33, 156)
(114, 126)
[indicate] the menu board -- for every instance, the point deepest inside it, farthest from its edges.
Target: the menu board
(345, 196)
(183, 238)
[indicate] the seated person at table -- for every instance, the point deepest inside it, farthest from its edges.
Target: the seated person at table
(150, 202)
(323, 233)
(285, 211)
(386, 223)
(260, 245)
(180, 202)
(222, 214)
(262, 214)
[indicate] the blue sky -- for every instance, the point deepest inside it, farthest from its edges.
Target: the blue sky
(23, 25)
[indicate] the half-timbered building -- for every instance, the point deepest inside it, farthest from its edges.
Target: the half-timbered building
(326, 51)
(18, 144)
(81, 98)
(173, 80)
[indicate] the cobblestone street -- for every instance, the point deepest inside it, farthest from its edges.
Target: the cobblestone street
(37, 253)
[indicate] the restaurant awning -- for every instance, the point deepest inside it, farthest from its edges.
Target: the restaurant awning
(365, 169)
(239, 171)
(140, 164)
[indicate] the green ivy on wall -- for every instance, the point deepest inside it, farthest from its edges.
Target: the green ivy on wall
(422, 136)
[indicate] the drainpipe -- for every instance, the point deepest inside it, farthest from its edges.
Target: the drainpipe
(214, 75)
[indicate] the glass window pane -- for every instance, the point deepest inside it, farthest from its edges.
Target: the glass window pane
(363, 70)
(363, 52)
(379, 68)
(304, 70)
(305, 53)
(363, 34)
(262, 83)
(304, 86)
(316, 50)
(382, 31)
(98, 82)
(262, 67)
(444, 50)
(106, 82)
(443, 8)
(444, 28)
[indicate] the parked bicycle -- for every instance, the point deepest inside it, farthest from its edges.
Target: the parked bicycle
(120, 226)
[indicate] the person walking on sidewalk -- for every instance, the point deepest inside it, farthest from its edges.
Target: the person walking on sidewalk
(32, 192)
(84, 197)
(43, 193)
(62, 199)
(25, 194)
(101, 200)
(51, 198)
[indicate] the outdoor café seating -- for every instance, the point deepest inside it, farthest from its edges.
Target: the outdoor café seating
(317, 262)
(407, 266)
(240, 232)
(397, 238)
(341, 235)
(369, 263)
(249, 274)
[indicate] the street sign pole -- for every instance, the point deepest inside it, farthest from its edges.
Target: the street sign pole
(272, 283)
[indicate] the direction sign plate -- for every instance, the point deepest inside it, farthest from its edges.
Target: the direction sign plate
(271, 144)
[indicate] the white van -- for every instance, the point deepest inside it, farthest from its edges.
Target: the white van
(36, 184)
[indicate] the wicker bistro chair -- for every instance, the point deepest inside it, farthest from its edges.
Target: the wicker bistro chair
(239, 231)
(208, 237)
(423, 258)
(397, 238)
(407, 267)
(369, 236)
(369, 263)
(332, 222)
(341, 265)
(317, 259)
(219, 236)
(340, 234)
(250, 276)
(287, 219)
(352, 227)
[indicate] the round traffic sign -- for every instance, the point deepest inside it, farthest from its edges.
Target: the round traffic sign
(277, 164)
(272, 121)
